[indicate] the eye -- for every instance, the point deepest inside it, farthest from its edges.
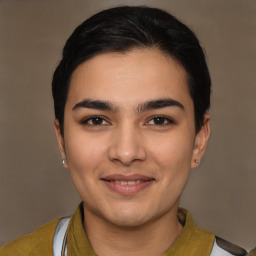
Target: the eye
(94, 121)
(160, 121)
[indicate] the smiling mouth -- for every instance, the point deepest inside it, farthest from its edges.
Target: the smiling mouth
(130, 182)
(127, 185)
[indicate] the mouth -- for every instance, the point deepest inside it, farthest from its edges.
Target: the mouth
(127, 185)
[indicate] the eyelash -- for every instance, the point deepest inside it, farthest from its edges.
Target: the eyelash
(101, 119)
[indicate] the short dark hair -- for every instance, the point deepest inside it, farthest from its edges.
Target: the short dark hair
(121, 29)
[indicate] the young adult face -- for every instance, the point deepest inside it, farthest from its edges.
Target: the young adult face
(129, 136)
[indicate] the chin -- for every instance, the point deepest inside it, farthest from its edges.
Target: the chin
(129, 217)
(129, 221)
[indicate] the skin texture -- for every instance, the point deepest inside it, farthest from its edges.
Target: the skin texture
(126, 139)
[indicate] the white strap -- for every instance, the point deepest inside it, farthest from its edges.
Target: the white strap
(59, 245)
(217, 251)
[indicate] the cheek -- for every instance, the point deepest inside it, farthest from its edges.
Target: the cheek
(173, 157)
(85, 157)
(84, 154)
(172, 151)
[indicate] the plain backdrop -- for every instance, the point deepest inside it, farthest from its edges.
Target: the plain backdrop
(34, 188)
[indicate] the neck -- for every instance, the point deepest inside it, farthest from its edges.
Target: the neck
(153, 238)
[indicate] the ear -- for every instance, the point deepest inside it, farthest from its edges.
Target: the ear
(61, 143)
(201, 140)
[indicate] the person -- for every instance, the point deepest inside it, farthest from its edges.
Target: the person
(131, 98)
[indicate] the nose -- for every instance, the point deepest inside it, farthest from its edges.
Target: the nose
(127, 145)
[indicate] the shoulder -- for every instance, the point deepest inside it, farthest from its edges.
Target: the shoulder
(202, 242)
(38, 243)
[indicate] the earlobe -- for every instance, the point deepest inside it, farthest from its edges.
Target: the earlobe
(61, 143)
(201, 140)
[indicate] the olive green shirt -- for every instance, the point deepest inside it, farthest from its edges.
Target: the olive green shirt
(192, 241)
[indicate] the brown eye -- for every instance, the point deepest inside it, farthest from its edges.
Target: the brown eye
(160, 121)
(95, 121)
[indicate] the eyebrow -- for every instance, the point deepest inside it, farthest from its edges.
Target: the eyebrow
(142, 107)
(157, 104)
(96, 104)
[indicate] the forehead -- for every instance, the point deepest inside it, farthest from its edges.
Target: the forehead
(135, 76)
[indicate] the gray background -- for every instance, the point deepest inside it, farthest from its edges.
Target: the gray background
(34, 188)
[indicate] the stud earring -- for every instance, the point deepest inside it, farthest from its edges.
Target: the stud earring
(197, 161)
(64, 161)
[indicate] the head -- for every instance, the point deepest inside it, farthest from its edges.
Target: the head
(131, 94)
(124, 28)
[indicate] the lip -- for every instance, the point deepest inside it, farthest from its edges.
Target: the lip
(113, 182)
